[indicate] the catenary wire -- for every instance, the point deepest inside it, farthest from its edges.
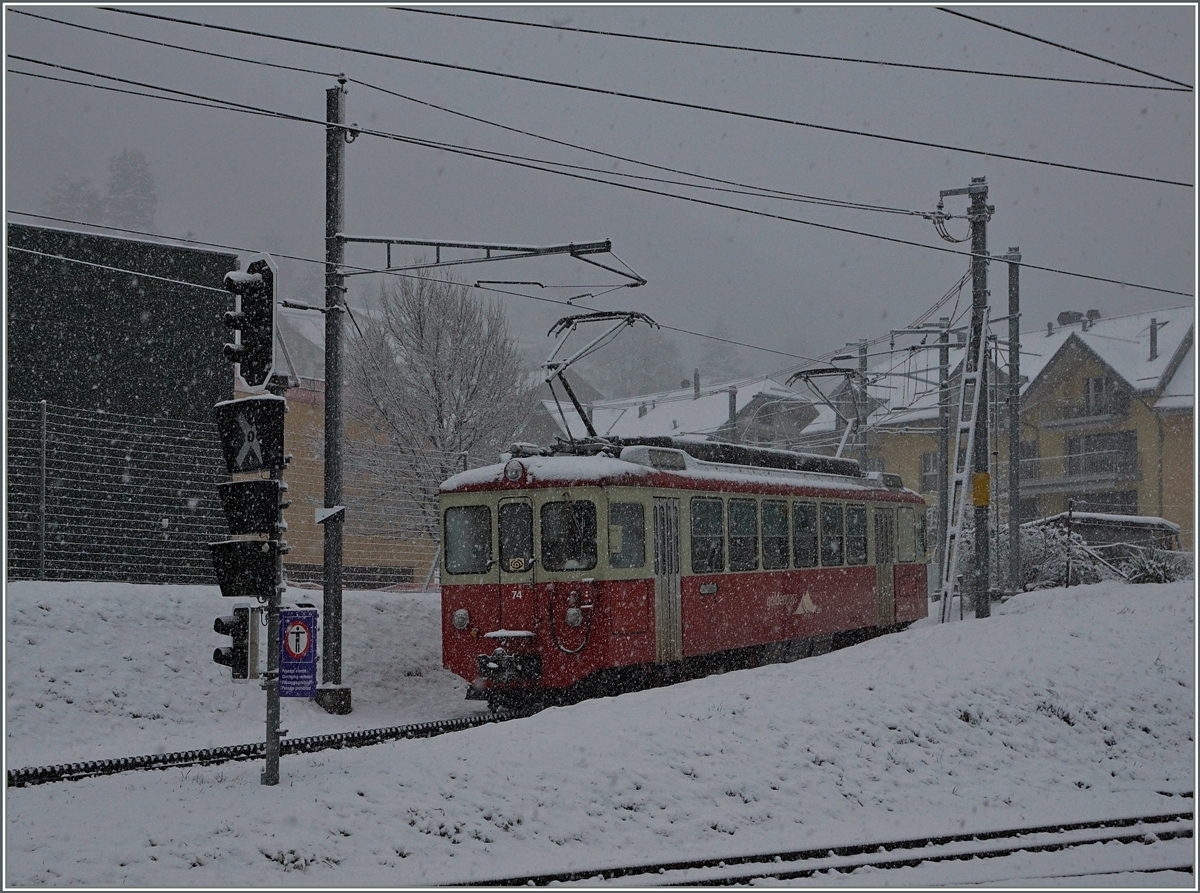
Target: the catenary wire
(1060, 46)
(239, 107)
(140, 275)
(795, 54)
(654, 99)
(175, 46)
(756, 190)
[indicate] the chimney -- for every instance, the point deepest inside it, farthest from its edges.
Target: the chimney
(696, 384)
(1153, 339)
(1049, 329)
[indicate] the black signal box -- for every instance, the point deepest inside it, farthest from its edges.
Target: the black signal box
(251, 506)
(246, 568)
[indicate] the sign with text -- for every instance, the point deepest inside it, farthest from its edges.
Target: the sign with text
(298, 653)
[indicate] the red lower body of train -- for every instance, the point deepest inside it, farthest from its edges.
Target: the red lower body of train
(519, 639)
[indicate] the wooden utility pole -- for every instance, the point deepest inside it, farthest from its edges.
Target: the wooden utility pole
(1014, 419)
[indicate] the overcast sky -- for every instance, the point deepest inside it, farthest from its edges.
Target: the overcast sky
(233, 179)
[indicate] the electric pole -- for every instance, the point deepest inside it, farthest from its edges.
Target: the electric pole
(978, 216)
(334, 697)
(1014, 419)
(943, 456)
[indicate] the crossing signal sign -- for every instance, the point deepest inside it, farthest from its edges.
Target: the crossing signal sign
(253, 318)
(251, 431)
(236, 655)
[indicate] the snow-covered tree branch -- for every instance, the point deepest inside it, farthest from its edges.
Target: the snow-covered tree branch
(435, 374)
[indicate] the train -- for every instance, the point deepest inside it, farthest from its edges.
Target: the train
(602, 565)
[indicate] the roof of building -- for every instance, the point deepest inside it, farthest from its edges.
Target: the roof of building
(1179, 393)
(909, 394)
(677, 413)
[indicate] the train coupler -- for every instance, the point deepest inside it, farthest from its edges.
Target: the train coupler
(500, 668)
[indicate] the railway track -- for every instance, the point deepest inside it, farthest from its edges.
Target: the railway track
(32, 775)
(893, 855)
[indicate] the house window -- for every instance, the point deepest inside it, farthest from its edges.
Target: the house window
(1109, 452)
(871, 463)
(1028, 454)
(1099, 396)
(929, 472)
(1118, 502)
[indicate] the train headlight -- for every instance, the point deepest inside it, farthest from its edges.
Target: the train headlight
(461, 619)
(513, 470)
(574, 617)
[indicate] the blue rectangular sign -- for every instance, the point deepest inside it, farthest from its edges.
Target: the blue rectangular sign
(298, 653)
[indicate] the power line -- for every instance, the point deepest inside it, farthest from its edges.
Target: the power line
(136, 273)
(1063, 47)
(239, 107)
(653, 99)
(758, 191)
(794, 54)
(175, 46)
(764, 191)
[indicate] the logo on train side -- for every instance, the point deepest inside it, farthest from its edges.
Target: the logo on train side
(794, 603)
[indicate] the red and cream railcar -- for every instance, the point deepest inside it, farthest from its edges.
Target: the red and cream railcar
(558, 569)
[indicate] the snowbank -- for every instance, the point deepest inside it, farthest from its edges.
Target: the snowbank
(1066, 704)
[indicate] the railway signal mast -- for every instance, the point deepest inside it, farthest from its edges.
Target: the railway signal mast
(250, 564)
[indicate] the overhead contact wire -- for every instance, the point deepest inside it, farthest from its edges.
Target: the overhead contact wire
(651, 99)
(793, 53)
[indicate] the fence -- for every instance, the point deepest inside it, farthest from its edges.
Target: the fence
(100, 496)
(103, 496)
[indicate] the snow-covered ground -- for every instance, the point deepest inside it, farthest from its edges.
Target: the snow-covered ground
(1065, 705)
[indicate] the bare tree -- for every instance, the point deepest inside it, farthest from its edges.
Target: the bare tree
(434, 375)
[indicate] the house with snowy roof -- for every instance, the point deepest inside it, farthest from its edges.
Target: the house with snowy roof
(1106, 416)
(758, 411)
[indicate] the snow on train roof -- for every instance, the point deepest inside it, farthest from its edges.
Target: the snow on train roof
(576, 470)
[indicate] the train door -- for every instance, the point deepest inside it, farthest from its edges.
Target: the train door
(885, 557)
(668, 619)
(516, 580)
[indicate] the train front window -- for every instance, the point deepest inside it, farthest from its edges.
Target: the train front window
(804, 534)
(743, 535)
(515, 521)
(626, 534)
(856, 534)
(569, 535)
(708, 536)
(833, 535)
(774, 534)
(468, 539)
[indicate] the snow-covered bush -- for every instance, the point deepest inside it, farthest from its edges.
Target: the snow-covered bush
(1151, 565)
(1043, 559)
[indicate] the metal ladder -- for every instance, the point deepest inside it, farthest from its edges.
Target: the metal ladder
(969, 395)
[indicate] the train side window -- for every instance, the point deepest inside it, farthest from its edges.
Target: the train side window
(468, 539)
(804, 534)
(833, 535)
(774, 534)
(569, 535)
(906, 535)
(743, 535)
(856, 534)
(626, 534)
(708, 536)
(515, 522)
